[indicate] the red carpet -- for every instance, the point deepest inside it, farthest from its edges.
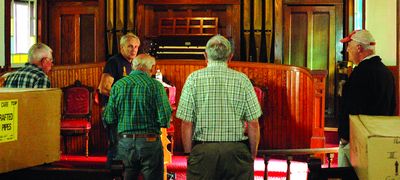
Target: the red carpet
(277, 168)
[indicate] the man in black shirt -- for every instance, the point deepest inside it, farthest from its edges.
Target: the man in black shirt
(370, 89)
(117, 67)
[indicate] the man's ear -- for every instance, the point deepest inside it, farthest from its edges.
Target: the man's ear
(205, 57)
(359, 48)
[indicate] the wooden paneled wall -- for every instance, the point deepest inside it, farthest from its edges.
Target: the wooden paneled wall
(293, 109)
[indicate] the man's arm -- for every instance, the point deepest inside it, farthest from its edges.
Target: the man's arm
(254, 136)
(187, 132)
(164, 110)
(106, 82)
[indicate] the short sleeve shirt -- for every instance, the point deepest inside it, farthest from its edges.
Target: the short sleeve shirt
(218, 100)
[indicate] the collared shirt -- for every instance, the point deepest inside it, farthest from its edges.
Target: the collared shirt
(218, 100)
(138, 104)
(30, 76)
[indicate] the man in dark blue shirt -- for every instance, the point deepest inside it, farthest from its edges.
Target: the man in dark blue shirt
(117, 67)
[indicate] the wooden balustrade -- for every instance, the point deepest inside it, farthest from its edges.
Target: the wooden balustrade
(293, 109)
(290, 153)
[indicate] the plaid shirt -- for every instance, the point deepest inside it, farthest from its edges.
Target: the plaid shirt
(138, 104)
(30, 76)
(218, 100)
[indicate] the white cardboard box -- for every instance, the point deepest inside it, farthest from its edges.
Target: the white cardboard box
(375, 146)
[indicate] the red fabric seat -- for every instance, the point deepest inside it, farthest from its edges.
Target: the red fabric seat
(171, 129)
(77, 112)
(75, 124)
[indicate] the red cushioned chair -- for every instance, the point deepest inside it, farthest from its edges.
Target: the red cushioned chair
(171, 92)
(77, 112)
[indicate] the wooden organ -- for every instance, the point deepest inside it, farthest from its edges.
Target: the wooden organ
(180, 29)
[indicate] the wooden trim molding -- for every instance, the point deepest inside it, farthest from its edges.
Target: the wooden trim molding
(398, 58)
(205, 2)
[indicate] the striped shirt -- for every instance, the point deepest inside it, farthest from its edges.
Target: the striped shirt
(218, 100)
(30, 76)
(138, 104)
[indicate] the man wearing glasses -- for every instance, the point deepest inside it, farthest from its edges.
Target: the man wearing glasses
(33, 74)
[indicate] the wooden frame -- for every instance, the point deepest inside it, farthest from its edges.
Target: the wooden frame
(189, 26)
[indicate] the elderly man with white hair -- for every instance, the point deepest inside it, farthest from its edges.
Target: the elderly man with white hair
(369, 90)
(139, 107)
(215, 104)
(34, 73)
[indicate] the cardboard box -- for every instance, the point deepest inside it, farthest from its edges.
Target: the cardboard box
(29, 127)
(375, 146)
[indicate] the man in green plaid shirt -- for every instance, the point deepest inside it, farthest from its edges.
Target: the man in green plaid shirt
(139, 106)
(214, 105)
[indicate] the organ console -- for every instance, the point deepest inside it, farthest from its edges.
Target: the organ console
(178, 47)
(183, 37)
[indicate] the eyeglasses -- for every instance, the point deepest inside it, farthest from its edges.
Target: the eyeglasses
(48, 59)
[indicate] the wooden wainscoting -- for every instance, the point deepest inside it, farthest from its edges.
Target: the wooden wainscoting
(294, 106)
(293, 109)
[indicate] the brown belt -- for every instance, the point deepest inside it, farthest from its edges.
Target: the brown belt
(138, 135)
(208, 142)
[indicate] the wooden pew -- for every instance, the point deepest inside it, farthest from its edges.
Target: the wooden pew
(293, 109)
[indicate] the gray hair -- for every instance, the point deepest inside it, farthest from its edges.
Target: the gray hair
(38, 51)
(218, 48)
(143, 61)
(128, 36)
(366, 46)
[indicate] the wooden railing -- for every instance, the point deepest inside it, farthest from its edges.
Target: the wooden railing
(290, 153)
(293, 109)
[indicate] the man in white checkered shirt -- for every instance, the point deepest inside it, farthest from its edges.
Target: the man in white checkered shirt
(214, 106)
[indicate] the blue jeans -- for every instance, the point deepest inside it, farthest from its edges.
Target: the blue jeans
(141, 155)
(112, 140)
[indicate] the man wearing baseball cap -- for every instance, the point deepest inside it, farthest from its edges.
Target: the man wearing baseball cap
(370, 89)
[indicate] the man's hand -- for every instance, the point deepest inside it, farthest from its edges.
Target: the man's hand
(106, 82)
(187, 131)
